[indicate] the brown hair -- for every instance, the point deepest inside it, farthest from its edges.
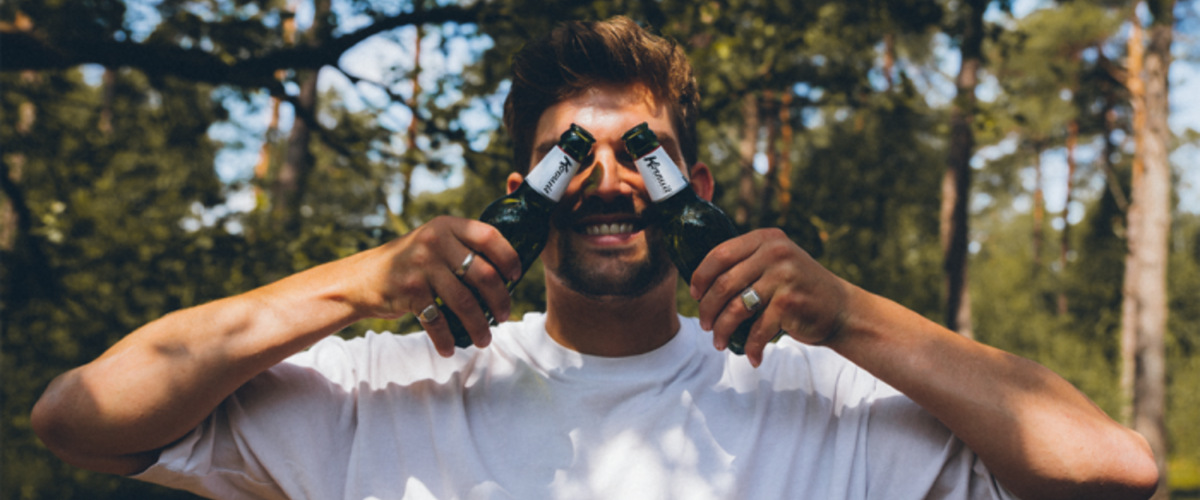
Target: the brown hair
(578, 55)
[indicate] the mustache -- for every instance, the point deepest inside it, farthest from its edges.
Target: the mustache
(595, 206)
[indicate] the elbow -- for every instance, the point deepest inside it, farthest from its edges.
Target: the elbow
(1129, 473)
(49, 423)
(58, 421)
(1119, 466)
(53, 426)
(1140, 471)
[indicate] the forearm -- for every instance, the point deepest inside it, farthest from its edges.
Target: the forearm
(1038, 434)
(162, 380)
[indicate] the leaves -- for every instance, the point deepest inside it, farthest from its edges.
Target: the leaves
(118, 217)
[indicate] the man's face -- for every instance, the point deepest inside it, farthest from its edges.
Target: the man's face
(599, 243)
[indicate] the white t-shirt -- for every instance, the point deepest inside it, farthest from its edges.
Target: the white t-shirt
(385, 417)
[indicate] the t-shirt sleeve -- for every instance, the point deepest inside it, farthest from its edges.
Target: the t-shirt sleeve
(284, 434)
(910, 454)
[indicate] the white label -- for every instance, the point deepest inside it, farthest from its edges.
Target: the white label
(551, 175)
(660, 174)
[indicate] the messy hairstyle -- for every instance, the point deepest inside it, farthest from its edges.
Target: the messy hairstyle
(578, 55)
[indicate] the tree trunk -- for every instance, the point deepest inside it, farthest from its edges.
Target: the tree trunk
(287, 192)
(263, 167)
(1148, 229)
(956, 184)
(15, 217)
(1129, 309)
(783, 171)
(747, 149)
(288, 189)
(410, 151)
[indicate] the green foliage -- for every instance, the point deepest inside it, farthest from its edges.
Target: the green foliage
(106, 251)
(1183, 347)
(127, 221)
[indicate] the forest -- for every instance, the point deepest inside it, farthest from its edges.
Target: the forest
(1022, 171)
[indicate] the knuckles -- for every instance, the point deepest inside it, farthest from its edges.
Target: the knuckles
(411, 285)
(460, 296)
(488, 275)
(722, 286)
(791, 305)
(723, 254)
(426, 235)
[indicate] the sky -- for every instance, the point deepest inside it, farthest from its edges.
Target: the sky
(244, 132)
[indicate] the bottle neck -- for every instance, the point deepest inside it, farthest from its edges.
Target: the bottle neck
(662, 176)
(551, 175)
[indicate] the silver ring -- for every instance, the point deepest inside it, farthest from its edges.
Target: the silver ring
(462, 269)
(750, 299)
(428, 314)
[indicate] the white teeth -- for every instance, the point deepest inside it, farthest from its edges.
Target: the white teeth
(606, 229)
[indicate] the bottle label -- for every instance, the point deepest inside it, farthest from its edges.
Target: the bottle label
(551, 175)
(660, 174)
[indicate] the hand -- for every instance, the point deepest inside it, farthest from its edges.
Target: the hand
(797, 294)
(406, 274)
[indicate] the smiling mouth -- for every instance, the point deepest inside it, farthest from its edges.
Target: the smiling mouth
(608, 229)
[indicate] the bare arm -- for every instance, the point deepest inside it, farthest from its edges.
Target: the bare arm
(1040, 436)
(116, 413)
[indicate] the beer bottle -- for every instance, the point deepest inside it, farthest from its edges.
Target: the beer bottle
(523, 216)
(691, 226)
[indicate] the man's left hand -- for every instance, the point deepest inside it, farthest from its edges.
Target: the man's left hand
(796, 293)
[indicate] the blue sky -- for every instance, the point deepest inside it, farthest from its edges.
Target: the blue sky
(244, 131)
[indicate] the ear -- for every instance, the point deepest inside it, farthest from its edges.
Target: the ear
(514, 181)
(702, 180)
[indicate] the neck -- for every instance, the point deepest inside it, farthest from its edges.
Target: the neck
(611, 326)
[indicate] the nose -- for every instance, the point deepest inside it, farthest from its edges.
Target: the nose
(608, 177)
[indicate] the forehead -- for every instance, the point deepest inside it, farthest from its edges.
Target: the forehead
(605, 110)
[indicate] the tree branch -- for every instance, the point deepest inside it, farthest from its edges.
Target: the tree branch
(395, 98)
(22, 50)
(1114, 70)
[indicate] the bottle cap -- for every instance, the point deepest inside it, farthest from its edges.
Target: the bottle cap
(640, 140)
(576, 142)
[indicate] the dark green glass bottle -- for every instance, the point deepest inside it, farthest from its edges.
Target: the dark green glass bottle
(523, 216)
(691, 225)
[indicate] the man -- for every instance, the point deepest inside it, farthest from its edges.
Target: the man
(609, 394)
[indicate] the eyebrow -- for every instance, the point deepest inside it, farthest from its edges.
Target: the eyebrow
(672, 146)
(541, 150)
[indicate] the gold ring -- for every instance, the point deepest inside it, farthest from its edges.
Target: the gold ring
(750, 299)
(428, 314)
(462, 269)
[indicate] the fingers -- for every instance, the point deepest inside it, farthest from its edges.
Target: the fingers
(464, 305)
(461, 264)
(764, 331)
(729, 309)
(485, 264)
(435, 323)
(490, 286)
(753, 287)
(720, 259)
(722, 275)
(487, 241)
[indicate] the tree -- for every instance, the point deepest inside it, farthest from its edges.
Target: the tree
(1148, 228)
(956, 184)
(101, 218)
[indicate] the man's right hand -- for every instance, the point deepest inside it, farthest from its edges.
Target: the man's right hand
(405, 275)
(155, 385)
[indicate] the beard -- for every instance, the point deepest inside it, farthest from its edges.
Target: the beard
(604, 275)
